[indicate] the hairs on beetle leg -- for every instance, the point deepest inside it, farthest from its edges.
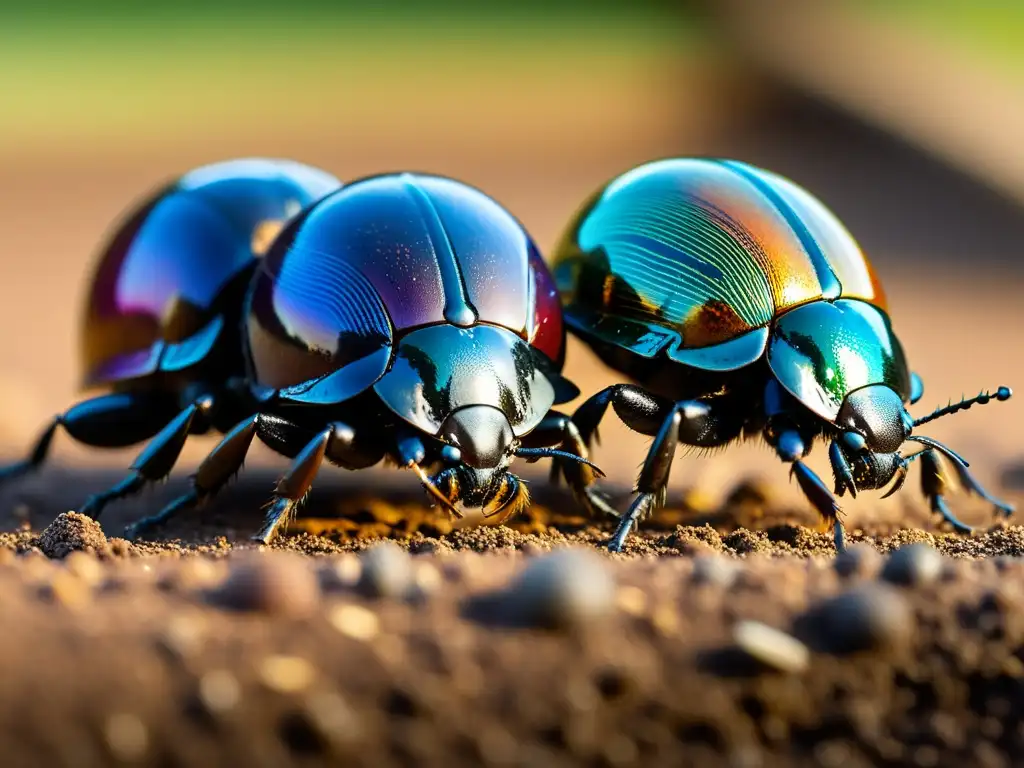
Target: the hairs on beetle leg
(519, 500)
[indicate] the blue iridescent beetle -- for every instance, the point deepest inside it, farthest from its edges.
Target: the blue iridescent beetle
(742, 307)
(161, 328)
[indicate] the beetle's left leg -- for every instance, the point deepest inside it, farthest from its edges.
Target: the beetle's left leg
(935, 483)
(791, 448)
(559, 431)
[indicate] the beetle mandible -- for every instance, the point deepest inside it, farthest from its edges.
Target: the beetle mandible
(743, 307)
(409, 318)
(161, 328)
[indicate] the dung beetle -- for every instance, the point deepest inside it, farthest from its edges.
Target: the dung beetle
(741, 306)
(162, 325)
(408, 318)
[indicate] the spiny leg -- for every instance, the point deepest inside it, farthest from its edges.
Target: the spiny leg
(935, 484)
(638, 409)
(114, 420)
(691, 422)
(220, 465)
(558, 430)
(157, 459)
(653, 480)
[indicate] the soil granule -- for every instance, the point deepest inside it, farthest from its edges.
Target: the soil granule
(383, 637)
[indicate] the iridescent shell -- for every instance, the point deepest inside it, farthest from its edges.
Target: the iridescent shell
(154, 299)
(698, 259)
(352, 286)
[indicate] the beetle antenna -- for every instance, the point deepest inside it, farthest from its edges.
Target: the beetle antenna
(1003, 393)
(944, 450)
(554, 453)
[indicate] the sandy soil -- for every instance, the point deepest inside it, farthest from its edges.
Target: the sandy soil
(193, 649)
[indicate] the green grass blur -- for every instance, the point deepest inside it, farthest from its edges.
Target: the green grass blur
(109, 69)
(990, 30)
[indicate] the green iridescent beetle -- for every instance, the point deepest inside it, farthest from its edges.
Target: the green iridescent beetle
(740, 306)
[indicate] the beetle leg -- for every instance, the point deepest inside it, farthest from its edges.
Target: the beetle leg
(935, 484)
(222, 463)
(559, 430)
(114, 420)
(791, 448)
(653, 479)
(1002, 508)
(841, 470)
(157, 459)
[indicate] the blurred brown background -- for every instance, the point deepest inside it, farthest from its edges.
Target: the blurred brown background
(905, 118)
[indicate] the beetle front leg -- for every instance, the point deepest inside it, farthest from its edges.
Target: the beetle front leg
(935, 483)
(790, 447)
(559, 431)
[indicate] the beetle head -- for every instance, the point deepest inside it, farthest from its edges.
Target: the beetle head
(479, 447)
(874, 425)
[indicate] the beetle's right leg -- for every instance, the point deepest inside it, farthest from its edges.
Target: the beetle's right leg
(114, 420)
(557, 430)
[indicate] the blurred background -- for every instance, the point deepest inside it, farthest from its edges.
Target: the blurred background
(904, 117)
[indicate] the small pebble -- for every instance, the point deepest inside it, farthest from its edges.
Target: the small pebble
(857, 560)
(715, 570)
(270, 582)
(386, 572)
(355, 621)
(557, 591)
(286, 674)
(913, 565)
(771, 646)
(193, 574)
(69, 532)
(219, 691)
(126, 736)
(869, 617)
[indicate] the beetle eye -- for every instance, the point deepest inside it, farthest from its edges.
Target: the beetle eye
(854, 441)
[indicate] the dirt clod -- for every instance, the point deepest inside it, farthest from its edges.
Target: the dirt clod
(71, 532)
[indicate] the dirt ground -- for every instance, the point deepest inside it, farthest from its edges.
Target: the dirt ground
(728, 634)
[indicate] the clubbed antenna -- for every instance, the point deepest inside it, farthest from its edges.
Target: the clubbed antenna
(1003, 393)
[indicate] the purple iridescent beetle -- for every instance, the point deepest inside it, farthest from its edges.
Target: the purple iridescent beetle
(405, 317)
(162, 326)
